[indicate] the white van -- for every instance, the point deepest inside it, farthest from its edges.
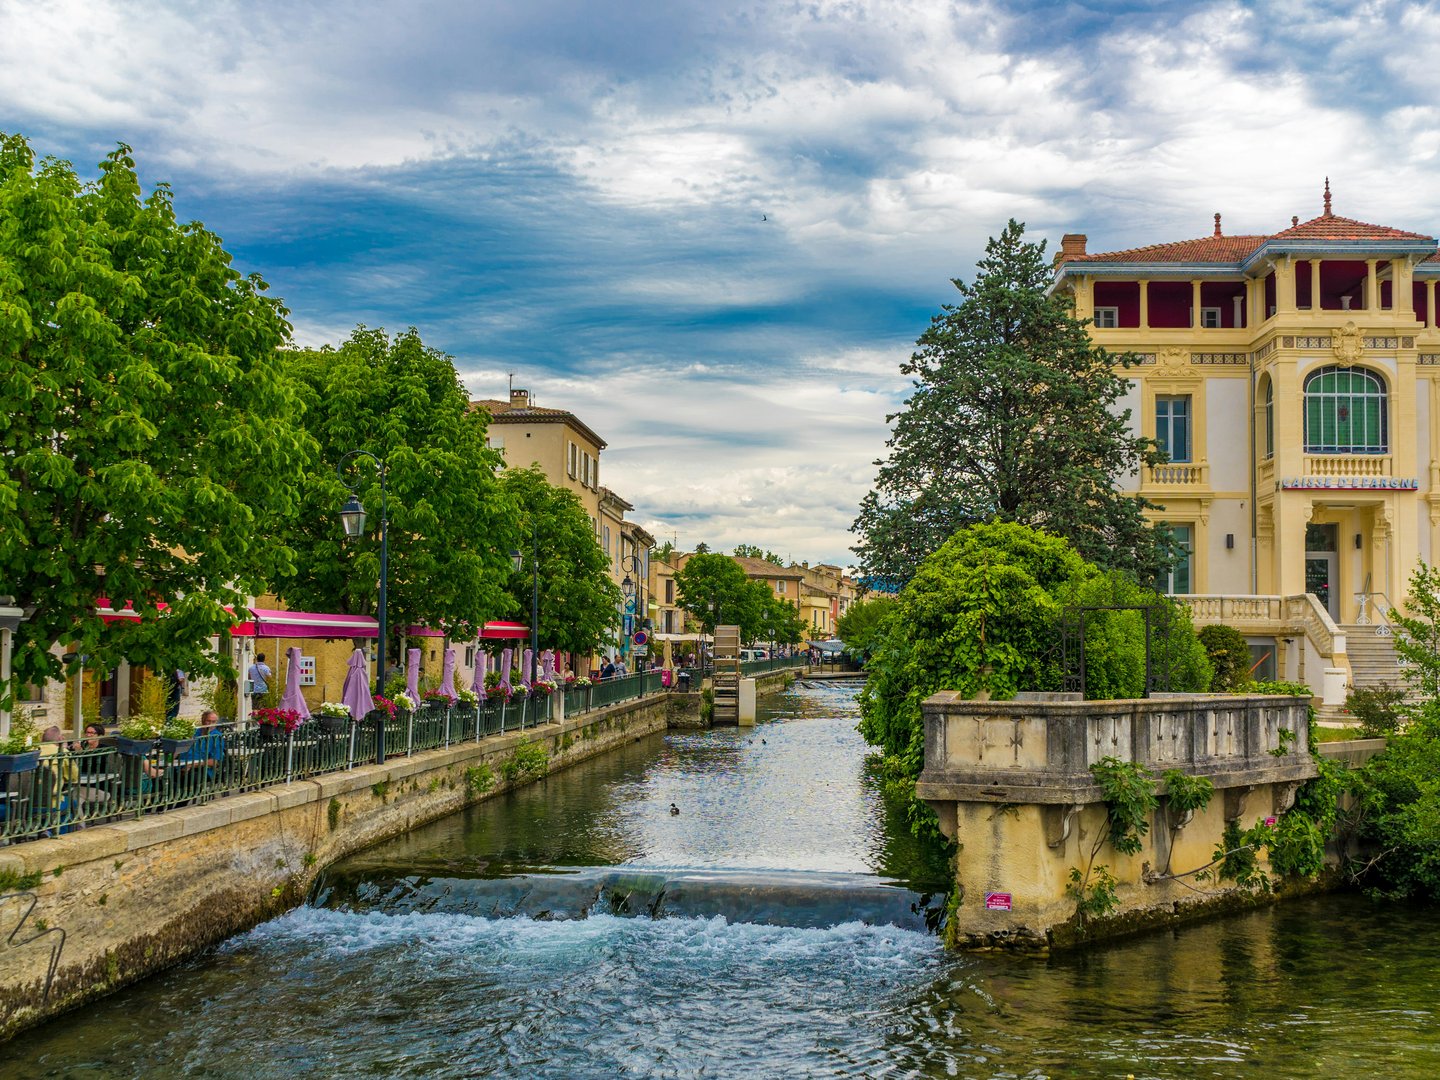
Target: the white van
(753, 654)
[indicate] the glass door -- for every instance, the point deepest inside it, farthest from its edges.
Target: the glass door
(1322, 565)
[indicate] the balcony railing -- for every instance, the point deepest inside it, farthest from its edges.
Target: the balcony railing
(1178, 474)
(1349, 465)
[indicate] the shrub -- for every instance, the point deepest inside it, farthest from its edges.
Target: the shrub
(528, 762)
(1378, 710)
(1229, 655)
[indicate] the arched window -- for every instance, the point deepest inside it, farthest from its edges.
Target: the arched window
(1345, 412)
(1269, 417)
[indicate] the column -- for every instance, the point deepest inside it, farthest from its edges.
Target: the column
(1372, 287)
(1314, 284)
(1285, 286)
(1401, 298)
(1144, 305)
(122, 690)
(6, 639)
(1430, 304)
(1194, 303)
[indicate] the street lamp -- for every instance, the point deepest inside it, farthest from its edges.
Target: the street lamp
(634, 590)
(352, 519)
(519, 561)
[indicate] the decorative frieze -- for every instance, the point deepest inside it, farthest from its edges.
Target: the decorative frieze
(1264, 350)
(1382, 343)
(1226, 358)
(1307, 341)
(1428, 358)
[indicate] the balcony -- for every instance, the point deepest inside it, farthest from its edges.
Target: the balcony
(1177, 475)
(1349, 466)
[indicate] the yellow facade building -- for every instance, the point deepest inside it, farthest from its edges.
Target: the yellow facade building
(1293, 380)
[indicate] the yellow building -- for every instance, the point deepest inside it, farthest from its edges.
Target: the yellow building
(1293, 380)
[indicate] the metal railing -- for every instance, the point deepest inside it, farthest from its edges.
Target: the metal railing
(72, 785)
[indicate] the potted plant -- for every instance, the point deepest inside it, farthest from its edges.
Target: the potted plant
(333, 716)
(137, 734)
(386, 704)
(20, 750)
(404, 703)
(276, 723)
(468, 698)
(177, 736)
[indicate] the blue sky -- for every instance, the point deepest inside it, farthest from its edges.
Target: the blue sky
(715, 230)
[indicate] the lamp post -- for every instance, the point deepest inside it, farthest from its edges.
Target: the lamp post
(634, 590)
(519, 561)
(352, 518)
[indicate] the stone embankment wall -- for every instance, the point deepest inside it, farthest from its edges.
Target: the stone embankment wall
(136, 896)
(1011, 784)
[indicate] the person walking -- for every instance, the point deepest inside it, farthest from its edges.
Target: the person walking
(259, 676)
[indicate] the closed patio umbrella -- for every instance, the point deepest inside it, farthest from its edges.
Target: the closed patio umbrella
(412, 675)
(525, 667)
(293, 698)
(506, 656)
(356, 691)
(447, 676)
(482, 668)
(547, 665)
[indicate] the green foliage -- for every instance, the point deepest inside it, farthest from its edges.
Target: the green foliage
(712, 585)
(1185, 793)
(220, 694)
(1297, 845)
(1237, 858)
(754, 551)
(579, 602)
(1292, 689)
(779, 622)
(1417, 632)
(479, 778)
(528, 762)
(1229, 655)
(24, 734)
(148, 433)
(1379, 710)
(1094, 893)
(1398, 793)
(1016, 416)
(862, 627)
(1130, 799)
(1115, 640)
(451, 527)
(332, 814)
(15, 881)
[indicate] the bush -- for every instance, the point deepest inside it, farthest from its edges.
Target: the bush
(1229, 655)
(1378, 710)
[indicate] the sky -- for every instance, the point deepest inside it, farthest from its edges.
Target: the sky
(714, 230)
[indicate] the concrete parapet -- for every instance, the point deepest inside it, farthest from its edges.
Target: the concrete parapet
(1011, 783)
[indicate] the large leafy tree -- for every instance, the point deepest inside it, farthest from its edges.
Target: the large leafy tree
(148, 435)
(451, 526)
(579, 603)
(1014, 417)
(714, 589)
(755, 551)
(860, 627)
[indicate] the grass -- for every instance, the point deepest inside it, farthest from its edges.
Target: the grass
(1333, 734)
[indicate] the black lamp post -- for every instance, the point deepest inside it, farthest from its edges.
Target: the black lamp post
(634, 589)
(519, 561)
(352, 517)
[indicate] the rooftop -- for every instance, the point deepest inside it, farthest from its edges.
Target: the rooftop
(508, 412)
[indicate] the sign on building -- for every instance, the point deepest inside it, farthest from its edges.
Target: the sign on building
(307, 671)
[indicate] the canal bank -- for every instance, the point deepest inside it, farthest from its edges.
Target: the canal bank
(412, 978)
(118, 902)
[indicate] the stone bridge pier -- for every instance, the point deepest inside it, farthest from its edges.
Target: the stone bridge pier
(1011, 783)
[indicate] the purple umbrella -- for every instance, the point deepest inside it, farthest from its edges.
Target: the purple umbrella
(482, 668)
(293, 698)
(356, 691)
(525, 667)
(547, 665)
(447, 676)
(412, 676)
(505, 657)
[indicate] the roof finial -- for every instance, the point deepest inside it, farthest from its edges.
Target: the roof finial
(1217, 223)
(1327, 197)
(1294, 220)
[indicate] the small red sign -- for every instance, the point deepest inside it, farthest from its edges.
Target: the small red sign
(997, 901)
(1269, 821)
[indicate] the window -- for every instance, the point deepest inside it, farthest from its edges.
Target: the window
(1177, 582)
(31, 694)
(607, 540)
(1107, 318)
(496, 442)
(585, 469)
(595, 474)
(1172, 426)
(669, 590)
(1210, 318)
(1269, 419)
(574, 453)
(780, 587)
(1345, 412)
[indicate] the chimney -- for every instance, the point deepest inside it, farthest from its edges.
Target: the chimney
(519, 399)
(1071, 245)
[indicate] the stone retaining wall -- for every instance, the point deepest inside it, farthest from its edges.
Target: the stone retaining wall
(136, 896)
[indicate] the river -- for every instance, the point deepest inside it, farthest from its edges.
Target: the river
(775, 927)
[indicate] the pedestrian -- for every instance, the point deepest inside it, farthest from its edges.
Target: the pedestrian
(178, 688)
(607, 670)
(259, 680)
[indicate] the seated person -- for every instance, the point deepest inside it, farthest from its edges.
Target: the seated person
(56, 774)
(208, 749)
(95, 765)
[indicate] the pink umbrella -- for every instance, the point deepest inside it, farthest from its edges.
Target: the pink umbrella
(412, 675)
(356, 691)
(447, 676)
(482, 668)
(506, 656)
(293, 698)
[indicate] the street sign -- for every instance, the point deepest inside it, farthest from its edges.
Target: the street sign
(629, 605)
(641, 650)
(641, 637)
(629, 624)
(997, 901)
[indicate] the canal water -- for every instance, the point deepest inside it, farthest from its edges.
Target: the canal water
(777, 926)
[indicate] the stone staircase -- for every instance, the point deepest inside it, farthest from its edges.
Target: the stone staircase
(1373, 661)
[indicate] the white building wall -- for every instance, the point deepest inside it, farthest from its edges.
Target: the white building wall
(1130, 400)
(1227, 422)
(1229, 568)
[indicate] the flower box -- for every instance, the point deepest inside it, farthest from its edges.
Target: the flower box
(18, 763)
(133, 747)
(175, 746)
(333, 725)
(272, 733)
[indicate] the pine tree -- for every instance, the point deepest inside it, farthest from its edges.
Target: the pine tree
(1014, 417)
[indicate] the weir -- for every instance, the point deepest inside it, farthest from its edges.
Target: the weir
(1011, 784)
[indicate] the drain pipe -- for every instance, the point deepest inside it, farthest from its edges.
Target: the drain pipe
(1254, 488)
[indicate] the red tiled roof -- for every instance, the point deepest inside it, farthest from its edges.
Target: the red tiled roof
(1219, 249)
(1334, 227)
(502, 412)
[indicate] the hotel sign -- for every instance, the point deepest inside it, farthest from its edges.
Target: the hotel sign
(1350, 483)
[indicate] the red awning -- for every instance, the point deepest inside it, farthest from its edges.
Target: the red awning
(423, 631)
(125, 614)
(504, 631)
(306, 624)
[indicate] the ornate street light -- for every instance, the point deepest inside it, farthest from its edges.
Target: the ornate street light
(519, 562)
(352, 519)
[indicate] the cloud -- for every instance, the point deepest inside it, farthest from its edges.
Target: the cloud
(714, 231)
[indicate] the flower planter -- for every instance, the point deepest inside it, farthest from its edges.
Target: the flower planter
(18, 763)
(176, 746)
(333, 725)
(272, 733)
(133, 747)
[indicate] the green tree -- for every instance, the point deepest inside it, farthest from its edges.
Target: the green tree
(148, 435)
(1014, 417)
(1229, 655)
(779, 621)
(754, 551)
(451, 526)
(712, 585)
(861, 627)
(579, 603)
